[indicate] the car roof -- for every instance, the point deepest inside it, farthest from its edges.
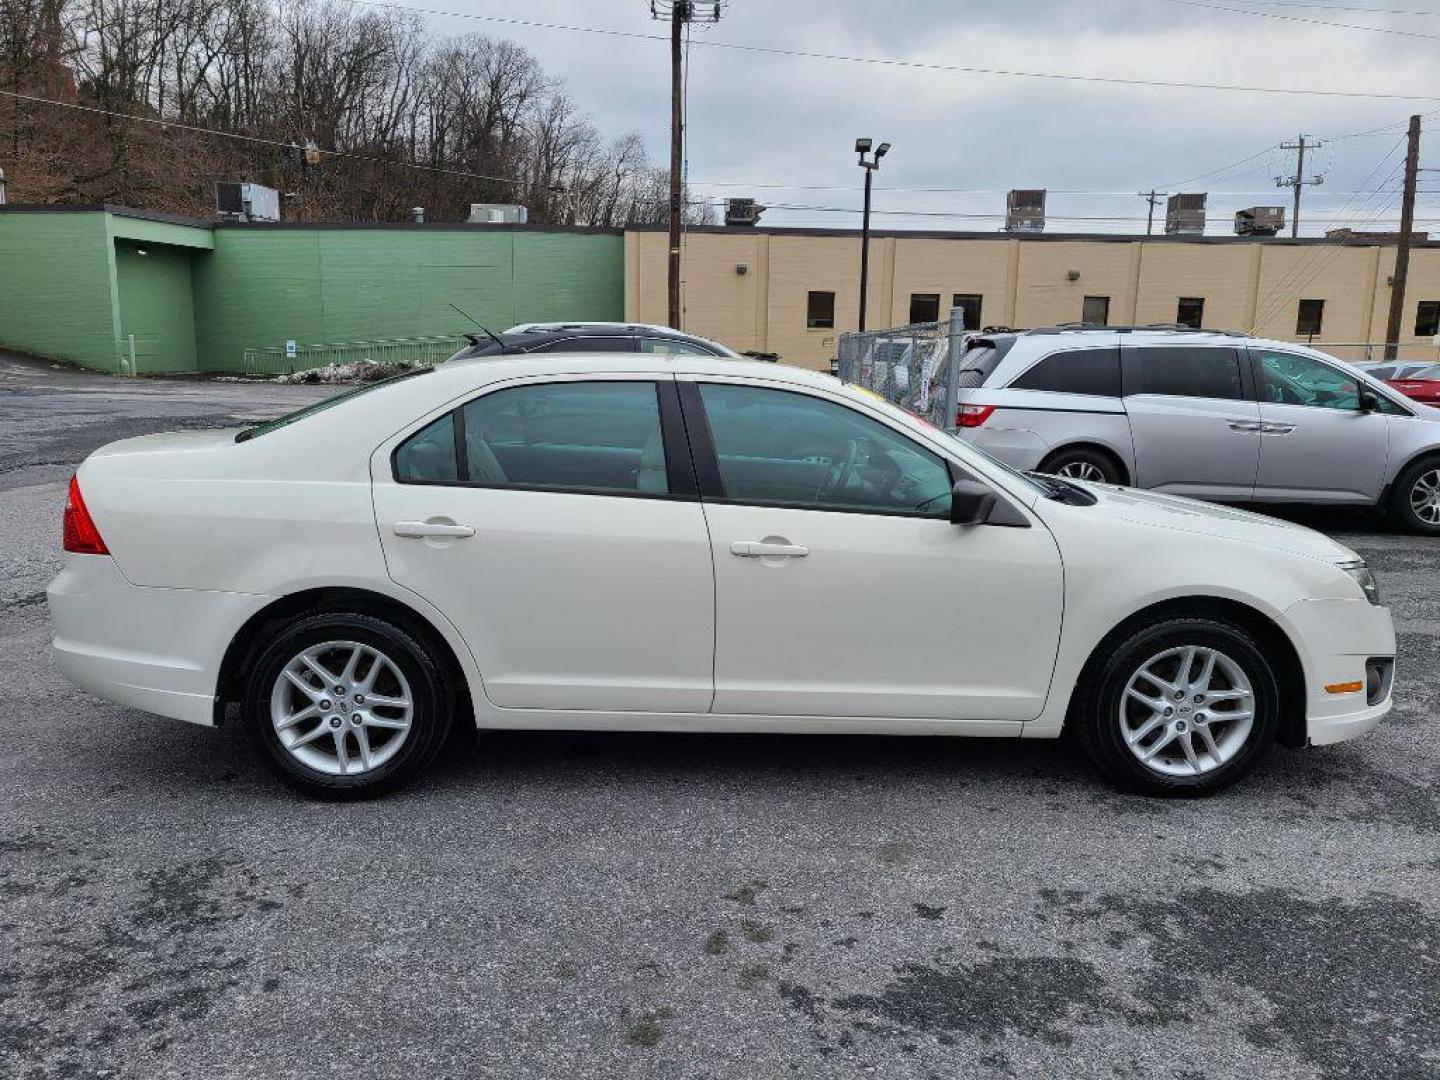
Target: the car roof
(519, 365)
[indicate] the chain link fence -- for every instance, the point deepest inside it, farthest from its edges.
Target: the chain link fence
(911, 366)
(284, 360)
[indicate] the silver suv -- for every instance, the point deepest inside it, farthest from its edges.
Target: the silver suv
(1214, 415)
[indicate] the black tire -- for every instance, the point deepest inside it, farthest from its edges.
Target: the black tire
(429, 690)
(1101, 693)
(1402, 508)
(1082, 463)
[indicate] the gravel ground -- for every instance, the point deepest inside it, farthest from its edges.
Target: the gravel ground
(561, 905)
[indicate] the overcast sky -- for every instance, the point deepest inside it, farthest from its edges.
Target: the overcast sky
(761, 120)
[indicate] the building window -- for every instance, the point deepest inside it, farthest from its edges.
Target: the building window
(1310, 318)
(1427, 318)
(820, 311)
(969, 304)
(924, 307)
(1096, 311)
(1190, 311)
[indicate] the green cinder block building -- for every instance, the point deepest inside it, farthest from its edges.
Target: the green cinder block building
(100, 285)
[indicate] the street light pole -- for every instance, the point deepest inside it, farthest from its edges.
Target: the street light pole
(869, 164)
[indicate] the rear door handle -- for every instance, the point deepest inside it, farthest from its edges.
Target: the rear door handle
(760, 549)
(1276, 429)
(432, 528)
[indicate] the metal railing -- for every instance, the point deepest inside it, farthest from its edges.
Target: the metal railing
(285, 360)
(910, 366)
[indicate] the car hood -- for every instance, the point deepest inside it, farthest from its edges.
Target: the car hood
(1209, 519)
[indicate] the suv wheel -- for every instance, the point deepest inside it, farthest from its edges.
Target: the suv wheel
(1184, 706)
(1083, 464)
(1416, 498)
(345, 706)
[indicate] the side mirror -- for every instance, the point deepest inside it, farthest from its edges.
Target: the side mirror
(1367, 401)
(970, 503)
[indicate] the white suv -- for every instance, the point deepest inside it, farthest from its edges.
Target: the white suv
(1214, 415)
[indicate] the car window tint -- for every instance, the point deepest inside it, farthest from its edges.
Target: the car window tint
(672, 347)
(1382, 372)
(589, 344)
(1188, 371)
(1078, 371)
(778, 447)
(428, 456)
(593, 436)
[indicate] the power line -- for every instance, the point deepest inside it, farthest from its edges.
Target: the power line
(917, 65)
(159, 122)
(1306, 19)
(1342, 7)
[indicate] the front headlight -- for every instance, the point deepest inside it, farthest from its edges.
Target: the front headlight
(1364, 577)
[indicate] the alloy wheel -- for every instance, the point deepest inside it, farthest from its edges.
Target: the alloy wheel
(342, 708)
(1425, 497)
(1082, 470)
(1187, 711)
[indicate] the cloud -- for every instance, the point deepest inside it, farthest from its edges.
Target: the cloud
(764, 119)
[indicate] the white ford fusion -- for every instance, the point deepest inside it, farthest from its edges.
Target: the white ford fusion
(680, 544)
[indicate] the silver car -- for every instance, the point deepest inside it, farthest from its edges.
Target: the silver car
(1213, 415)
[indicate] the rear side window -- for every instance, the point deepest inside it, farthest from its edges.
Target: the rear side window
(1078, 371)
(428, 456)
(979, 361)
(1187, 371)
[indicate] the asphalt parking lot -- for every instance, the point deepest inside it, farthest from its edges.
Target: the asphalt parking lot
(561, 905)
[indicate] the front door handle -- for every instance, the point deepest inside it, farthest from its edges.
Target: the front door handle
(432, 528)
(765, 549)
(1245, 425)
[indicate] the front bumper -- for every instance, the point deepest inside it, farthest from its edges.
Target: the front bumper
(154, 649)
(1335, 639)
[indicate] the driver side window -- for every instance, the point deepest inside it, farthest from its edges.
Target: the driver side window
(1288, 379)
(781, 448)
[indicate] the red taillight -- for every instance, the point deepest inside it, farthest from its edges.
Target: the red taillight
(80, 534)
(972, 415)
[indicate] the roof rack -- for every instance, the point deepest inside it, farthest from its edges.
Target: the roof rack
(1171, 328)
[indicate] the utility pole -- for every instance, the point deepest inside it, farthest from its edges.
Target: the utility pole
(869, 163)
(1298, 181)
(1152, 197)
(679, 13)
(1402, 245)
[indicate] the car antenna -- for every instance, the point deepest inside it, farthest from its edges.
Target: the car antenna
(474, 339)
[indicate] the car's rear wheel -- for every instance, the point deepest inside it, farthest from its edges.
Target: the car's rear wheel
(1082, 463)
(1183, 706)
(347, 705)
(1415, 500)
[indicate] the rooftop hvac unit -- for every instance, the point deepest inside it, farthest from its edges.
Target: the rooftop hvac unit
(246, 202)
(742, 212)
(1259, 221)
(1185, 215)
(484, 213)
(1025, 210)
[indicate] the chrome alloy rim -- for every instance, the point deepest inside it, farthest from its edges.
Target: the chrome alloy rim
(1082, 470)
(342, 708)
(1425, 497)
(1187, 711)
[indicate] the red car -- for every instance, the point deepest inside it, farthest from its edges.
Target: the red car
(1422, 385)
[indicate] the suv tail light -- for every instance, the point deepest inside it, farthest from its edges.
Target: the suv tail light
(972, 415)
(80, 535)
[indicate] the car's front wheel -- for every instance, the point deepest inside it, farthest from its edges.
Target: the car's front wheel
(347, 705)
(1416, 497)
(1183, 706)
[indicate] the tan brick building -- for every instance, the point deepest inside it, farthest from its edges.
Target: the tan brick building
(792, 291)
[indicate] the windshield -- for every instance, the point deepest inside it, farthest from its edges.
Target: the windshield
(320, 406)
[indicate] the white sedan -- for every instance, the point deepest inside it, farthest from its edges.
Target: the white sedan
(652, 543)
